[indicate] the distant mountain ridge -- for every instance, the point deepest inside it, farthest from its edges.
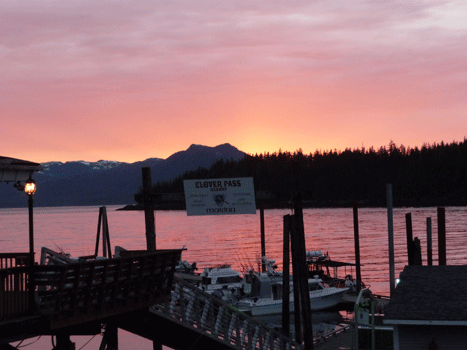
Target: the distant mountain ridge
(111, 182)
(57, 167)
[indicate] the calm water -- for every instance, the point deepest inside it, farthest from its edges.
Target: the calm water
(235, 239)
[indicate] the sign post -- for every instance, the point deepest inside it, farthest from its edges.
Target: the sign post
(220, 196)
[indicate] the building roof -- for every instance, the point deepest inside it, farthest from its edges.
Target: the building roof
(13, 170)
(431, 295)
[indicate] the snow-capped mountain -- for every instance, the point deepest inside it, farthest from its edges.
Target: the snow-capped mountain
(111, 182)
(95, 166)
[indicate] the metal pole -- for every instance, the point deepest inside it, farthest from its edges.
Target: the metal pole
(31, 255)
(392, 281)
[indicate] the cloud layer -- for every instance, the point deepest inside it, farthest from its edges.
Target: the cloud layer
(128, 81)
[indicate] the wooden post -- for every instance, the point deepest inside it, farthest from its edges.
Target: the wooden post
(299, 250)
(299, 254)
(357, 247)
(429, 244)
(111, 337)
(392, 280)
(296, 282)
(417, 252)
(103, 222)
(106, 234)
(286, 278)
(99, 223)
(149, 210)
(410, 248)
(441, 236)
(64, 342)
(263, 239)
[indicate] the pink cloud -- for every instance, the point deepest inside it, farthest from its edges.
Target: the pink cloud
(107, 75)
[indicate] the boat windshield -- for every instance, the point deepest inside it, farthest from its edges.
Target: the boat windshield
(315, 286)
(229, 279)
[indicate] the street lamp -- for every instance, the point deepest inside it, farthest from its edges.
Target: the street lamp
(30, 189)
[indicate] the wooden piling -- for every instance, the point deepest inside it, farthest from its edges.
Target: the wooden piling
(110, 338)
(441, 236)
(263, 239)
(429, 244)
(299, 251)
(286, 277)
(303, 307)
(392, 279)
(103, 222)
(149, 210)
(410, 243)
(417, 252)
(64, 342)
(296, 283)
(357, 247)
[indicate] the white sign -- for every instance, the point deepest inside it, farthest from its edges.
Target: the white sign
(220, 196)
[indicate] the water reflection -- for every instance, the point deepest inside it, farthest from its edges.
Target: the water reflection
(235, 239)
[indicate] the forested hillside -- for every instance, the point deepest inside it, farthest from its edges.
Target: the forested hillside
(431, 175)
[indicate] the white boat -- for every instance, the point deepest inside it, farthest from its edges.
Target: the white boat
(264, 293)
(221, 281)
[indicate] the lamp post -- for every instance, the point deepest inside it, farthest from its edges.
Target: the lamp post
(30, 189)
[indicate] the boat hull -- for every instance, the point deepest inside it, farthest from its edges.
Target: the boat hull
(268, 306)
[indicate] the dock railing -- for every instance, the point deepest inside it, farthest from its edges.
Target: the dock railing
(8, 260)
(13, 288)
(213, 317)
(89, 290)
(13, 292)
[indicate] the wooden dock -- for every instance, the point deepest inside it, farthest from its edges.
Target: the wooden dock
(138, 293)
(77, 298)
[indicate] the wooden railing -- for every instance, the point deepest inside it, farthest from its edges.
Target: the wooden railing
(80, 292)
(13, 292)
(213, 317)
(8, 260)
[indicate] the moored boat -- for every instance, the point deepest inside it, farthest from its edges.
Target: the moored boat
(221, 280)
(324, 267)
(263, 293)
(321, 298)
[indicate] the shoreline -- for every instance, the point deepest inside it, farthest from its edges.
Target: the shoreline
(310, 204)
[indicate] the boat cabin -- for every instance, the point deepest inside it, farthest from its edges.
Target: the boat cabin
(219, 277)
(321, 265)
(277, 290)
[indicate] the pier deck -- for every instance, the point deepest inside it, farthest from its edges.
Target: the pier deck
(134, 293)
(75, 298)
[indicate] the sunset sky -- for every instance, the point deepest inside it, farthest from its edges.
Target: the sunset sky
(129, 80)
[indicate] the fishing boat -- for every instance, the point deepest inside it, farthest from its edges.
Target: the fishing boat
(263, 293)
(221, 281)
(325, 268)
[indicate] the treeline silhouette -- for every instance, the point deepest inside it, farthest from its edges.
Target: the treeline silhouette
(433, 175)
